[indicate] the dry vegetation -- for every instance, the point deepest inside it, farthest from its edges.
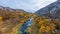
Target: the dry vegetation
(11, 20)
(42, 25)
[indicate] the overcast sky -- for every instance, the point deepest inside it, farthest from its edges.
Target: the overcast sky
(27, 5)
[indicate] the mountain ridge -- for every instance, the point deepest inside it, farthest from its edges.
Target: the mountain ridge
(49, 9)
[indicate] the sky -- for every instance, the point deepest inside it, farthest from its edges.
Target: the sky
(27, 5)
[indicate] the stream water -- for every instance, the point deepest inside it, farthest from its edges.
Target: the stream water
(25, 25)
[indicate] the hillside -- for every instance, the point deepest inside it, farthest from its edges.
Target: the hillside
(51, 9)
(12, 19)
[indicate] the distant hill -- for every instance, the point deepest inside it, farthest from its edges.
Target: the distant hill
(6, 12)
(50, 9)
(10, 9)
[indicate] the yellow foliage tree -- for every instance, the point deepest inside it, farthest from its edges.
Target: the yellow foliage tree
(0, 19)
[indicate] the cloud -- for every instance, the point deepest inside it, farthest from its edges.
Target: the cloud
(27, 5)
(33, 5)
